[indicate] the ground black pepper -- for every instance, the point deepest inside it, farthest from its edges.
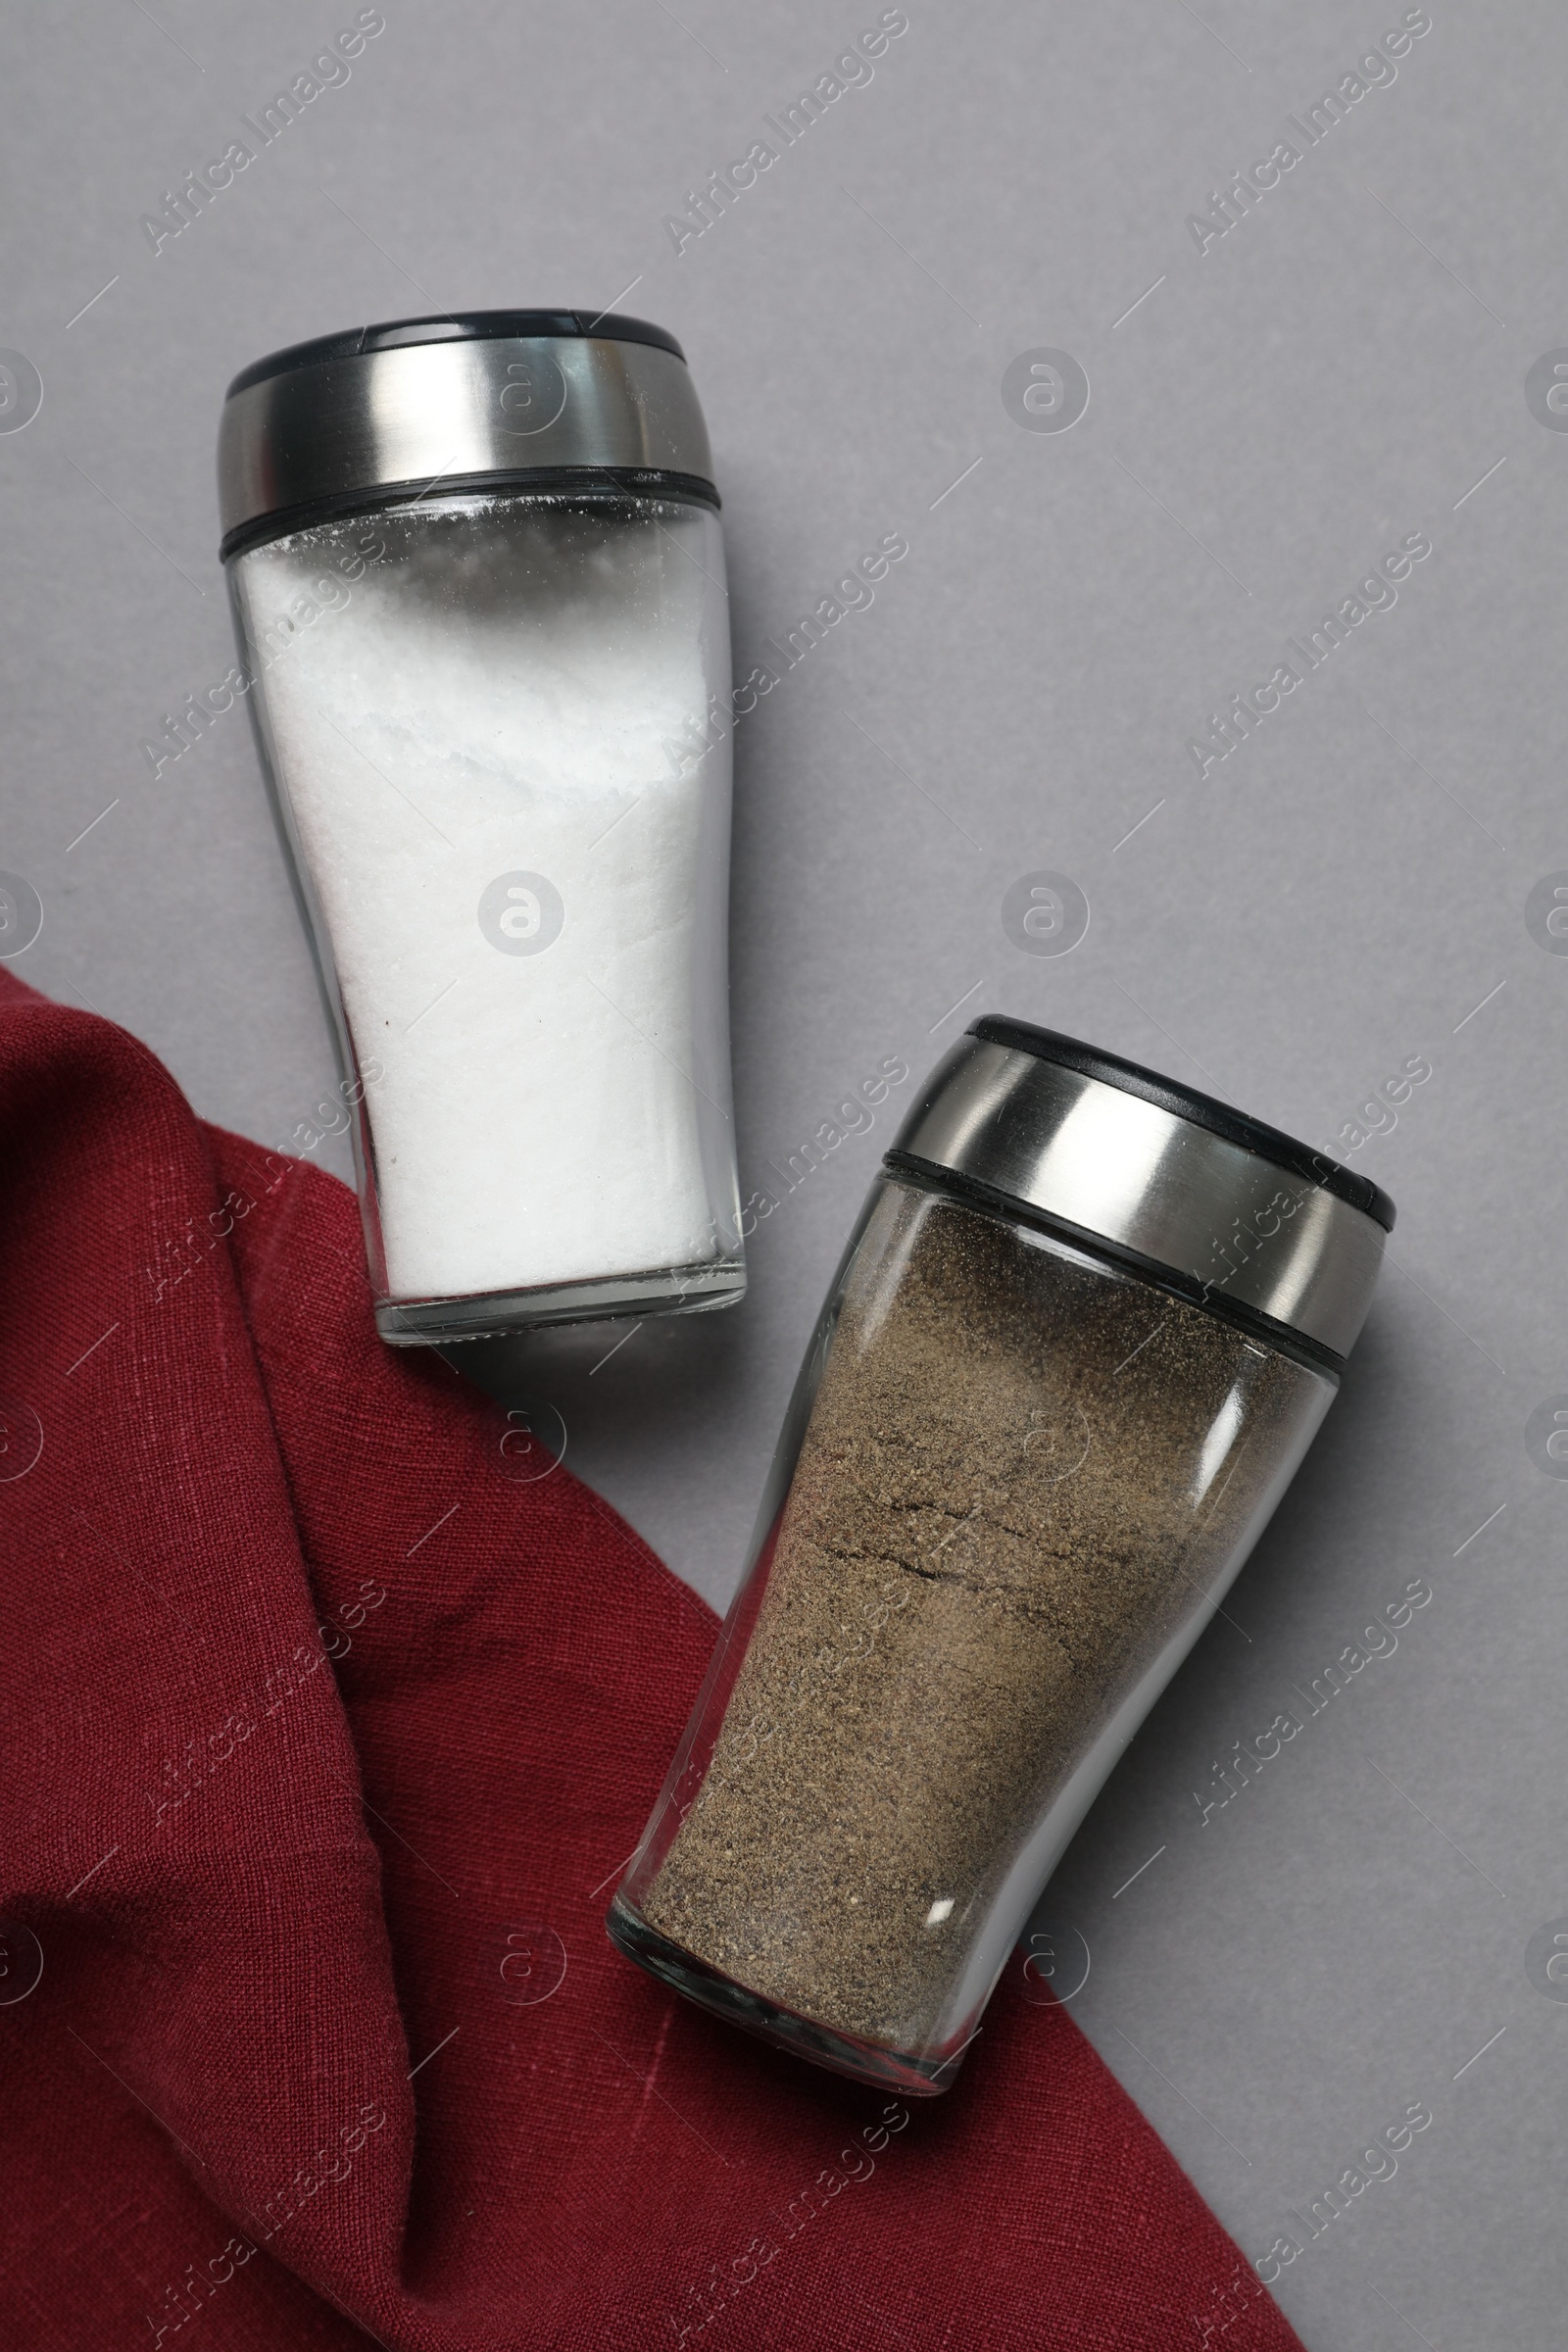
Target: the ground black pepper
(1022, 1470)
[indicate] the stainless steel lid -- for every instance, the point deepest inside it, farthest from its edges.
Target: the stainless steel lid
(483, 399)
(1223, 1208)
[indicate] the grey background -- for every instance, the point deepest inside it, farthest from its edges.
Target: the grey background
(1338, 894)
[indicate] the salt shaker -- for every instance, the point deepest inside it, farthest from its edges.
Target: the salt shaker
(1083, 1334)
(478, 583)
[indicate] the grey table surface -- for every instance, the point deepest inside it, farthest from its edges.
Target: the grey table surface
(1276, 402)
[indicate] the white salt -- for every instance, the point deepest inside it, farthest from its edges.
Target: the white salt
(519, 692)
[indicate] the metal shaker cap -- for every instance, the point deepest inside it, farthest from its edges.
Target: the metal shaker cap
(481, 400)
(1212, 1203)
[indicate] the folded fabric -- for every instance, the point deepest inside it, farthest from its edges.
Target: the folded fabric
(329, 1722)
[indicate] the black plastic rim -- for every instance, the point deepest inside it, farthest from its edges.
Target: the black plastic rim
(1203, 1110)
(969, 1191)
(455, 326)
(688, 489)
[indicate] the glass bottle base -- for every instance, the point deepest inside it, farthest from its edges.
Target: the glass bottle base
(863, 2061)
(492, 1314)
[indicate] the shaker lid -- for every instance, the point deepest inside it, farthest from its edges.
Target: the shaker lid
(470, 400)
(1217, 1206)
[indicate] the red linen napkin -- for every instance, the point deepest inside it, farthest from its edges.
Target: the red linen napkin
(327, 1729)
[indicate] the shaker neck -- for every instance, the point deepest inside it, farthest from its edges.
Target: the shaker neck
(1112, 1162)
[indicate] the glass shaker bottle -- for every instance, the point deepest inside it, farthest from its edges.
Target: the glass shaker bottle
(1083, 1334)
(478, 584)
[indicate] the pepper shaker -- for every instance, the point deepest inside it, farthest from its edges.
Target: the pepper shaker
(1084, 1333)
